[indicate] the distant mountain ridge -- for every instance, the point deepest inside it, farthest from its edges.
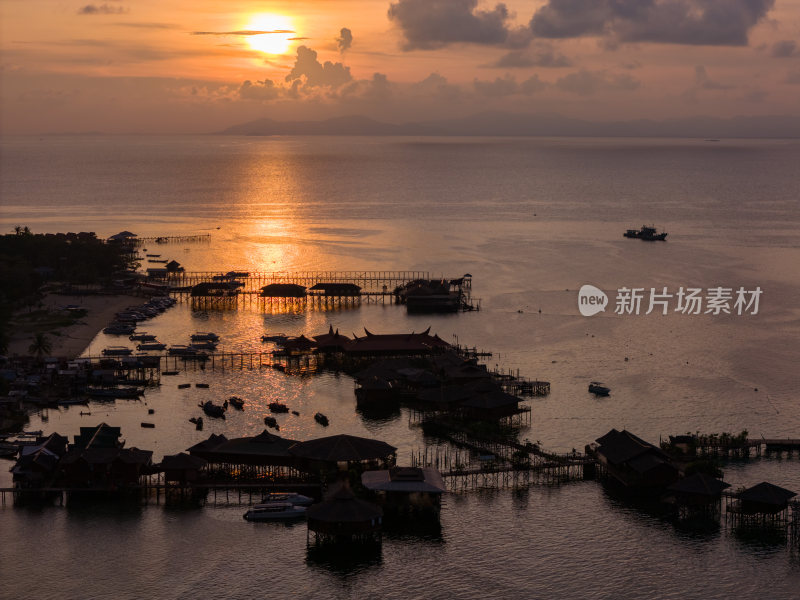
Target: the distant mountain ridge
(512, 124)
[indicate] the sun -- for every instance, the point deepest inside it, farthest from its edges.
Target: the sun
(277, 42)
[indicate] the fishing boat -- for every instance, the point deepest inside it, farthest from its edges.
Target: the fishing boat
(183, 386)
(278, 338)
(278, 407)
(272, 422)
(321, 419)
(148, 425)
(204, 336)
(275, 511)
(204, 345)
(646, 233)
(117, 351)
(201, 385)
(236, 402)
(142, 336)
(151, 346)
(598, 389)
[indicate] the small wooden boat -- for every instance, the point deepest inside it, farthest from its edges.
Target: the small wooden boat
(201, 385)
(275, 511)
(148, 425)
(213, 410)
(183, 386)
(272, 422)
(151, 411)
(199, 424)
(204, 336)
(598, 389)
(236, 402)
(295, 413)
(321, 419)
(278, 407)
(275, 337)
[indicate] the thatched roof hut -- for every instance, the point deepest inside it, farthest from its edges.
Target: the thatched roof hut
(283, 290)
(343, 448)
(336, 289)
(764, 498)
(342, 517)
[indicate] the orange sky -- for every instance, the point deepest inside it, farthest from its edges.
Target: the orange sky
(179, 66)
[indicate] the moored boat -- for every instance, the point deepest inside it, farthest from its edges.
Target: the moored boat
(598, 389)
(291, 497)
(275, 511)
(321, 419)
(236, 402)
(646, 233)
(278, 407)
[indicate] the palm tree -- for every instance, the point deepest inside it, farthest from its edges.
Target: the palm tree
(41, 346)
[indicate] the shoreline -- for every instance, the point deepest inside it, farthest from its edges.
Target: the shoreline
(73, 340)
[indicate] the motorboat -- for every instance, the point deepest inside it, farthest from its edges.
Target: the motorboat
(646, 233)
(598, 389)
(321, 419)
(291, 497)
(278, 407)
(236, 402)
(275, 511)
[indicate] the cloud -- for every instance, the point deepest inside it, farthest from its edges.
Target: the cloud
(148, 25)
(508, 86)
(436, 86)
(546, 57)
(377, 89)
(692, 22)
(242, 32)
(429, 24)
(260, 90)
(704, 82)
(586, 83)
(103, 9)
(784, 49)
(345, 39)
(315, 73)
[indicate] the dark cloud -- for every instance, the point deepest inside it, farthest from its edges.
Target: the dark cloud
(546, 57)
(784, 49)
(428, 24)
(586, 83)
(345, 39)
(242, 32)
(315, 73)
(102, 9)
(695, 22)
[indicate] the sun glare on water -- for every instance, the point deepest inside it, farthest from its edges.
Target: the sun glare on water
(276, 42)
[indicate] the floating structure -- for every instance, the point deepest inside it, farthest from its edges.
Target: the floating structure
(696, 495)
(762, 504)
(634, 463)
(344, 520)
(406, 490)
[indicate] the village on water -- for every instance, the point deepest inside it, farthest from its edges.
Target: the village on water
(349, 490)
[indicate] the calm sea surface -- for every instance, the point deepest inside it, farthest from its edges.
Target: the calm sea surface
(532, 220)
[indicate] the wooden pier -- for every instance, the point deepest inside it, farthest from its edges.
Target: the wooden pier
(172, 239)
(376, 282)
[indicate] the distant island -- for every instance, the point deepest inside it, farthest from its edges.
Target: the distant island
(512, 124)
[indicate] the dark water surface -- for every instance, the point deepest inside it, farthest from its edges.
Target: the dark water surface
(532, 220)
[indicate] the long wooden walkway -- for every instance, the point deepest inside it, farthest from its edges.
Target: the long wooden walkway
(369, 281)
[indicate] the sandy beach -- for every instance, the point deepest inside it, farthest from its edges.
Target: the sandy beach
(73, 340)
